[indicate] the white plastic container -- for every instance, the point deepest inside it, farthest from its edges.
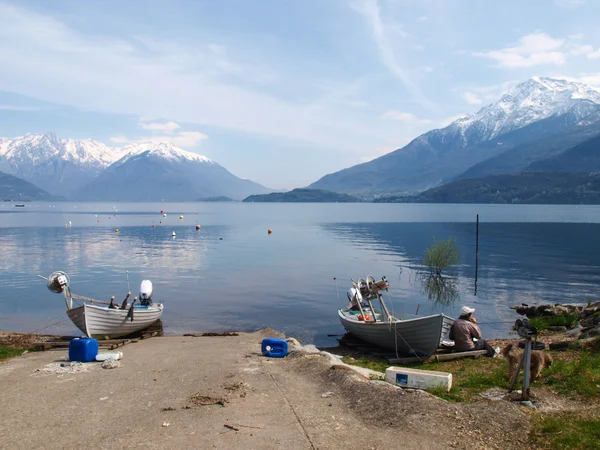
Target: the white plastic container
(418, 379)
(105, 356)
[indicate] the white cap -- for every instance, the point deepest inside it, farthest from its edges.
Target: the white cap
(466, 310)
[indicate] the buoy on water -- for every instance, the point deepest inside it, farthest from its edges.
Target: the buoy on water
(98, 220)
(197, 227)
(153, 226)
(164, 215)
(161, 211)
(116, 230)
(173, 234)
(180, 217)
(269, 231)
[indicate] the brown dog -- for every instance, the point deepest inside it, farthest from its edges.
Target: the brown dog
(539, 360)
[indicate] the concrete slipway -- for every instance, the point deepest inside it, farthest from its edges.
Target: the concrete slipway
(158, 398)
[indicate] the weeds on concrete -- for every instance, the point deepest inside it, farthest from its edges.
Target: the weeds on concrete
(9, 352)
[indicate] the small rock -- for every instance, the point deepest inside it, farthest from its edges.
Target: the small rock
(110, 364)
(557, 328)
(326, 394)
(165, 424)
(528, 404)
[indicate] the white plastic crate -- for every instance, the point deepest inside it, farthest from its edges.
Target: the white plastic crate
(418, 379)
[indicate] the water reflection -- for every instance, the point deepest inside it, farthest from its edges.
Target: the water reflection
(285, 280)
(441, 289)
(518, 262)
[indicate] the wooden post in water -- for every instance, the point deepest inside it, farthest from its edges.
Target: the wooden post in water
(476, 251)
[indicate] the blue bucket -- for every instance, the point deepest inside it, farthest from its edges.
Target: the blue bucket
(274, 347)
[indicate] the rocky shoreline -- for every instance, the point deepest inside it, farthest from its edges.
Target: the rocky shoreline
(575, 320)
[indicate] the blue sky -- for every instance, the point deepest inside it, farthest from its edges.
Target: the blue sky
(278, 91)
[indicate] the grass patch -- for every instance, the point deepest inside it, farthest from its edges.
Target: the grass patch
(574, 374)
(578, 375)
(470, 377)
(566, 431)
(9, 352)
(378, 364)
(564, 320)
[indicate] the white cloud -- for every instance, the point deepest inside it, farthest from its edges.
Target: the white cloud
(404, 117)
(397, 115)
(531, 50)
(448, 120)
(591, 79)
(371, 11)
(120, 139)
(594, 55)
(570, 3)
(423, 18)
(152, 78)
(19, 108)
(184, 139)
(472, 99)
(167, 127)
(581, 50)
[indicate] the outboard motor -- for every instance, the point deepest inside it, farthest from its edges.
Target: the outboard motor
(146, 293)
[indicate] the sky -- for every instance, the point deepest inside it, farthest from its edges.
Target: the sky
(278, 91)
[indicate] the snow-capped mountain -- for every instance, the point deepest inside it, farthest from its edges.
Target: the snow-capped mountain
(536, 110)
(59, 166)
(161, 171)
(90, 170)
(536, 99)
(164, 150)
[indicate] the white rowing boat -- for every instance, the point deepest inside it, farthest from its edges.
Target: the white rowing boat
(110, 321)
(404, 334)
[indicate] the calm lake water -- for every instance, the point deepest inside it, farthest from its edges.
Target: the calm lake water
(232, 275)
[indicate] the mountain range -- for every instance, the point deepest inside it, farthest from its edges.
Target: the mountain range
(14, 188)
(538, 120)
(541, 125)
(89, 170)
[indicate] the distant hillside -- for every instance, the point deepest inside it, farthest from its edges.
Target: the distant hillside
(584, 157)
(13, 188)
(535, 120)
(304, 196)
(216, 199)
(566, 188)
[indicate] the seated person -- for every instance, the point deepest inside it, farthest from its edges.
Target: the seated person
(464, 330)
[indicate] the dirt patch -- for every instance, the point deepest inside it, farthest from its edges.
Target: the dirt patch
(226, 333)
(483, 424)
(199, 399)
(23, 340)
(238, 388)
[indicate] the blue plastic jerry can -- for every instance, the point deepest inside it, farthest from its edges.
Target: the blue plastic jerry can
(83, 349)
(274, 347)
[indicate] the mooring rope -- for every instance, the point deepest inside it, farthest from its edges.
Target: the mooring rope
(41, 329)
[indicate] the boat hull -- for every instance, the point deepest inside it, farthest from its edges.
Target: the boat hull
(106, 323)
(420, 335)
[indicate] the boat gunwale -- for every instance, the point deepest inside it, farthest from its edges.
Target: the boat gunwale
(385, 322)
